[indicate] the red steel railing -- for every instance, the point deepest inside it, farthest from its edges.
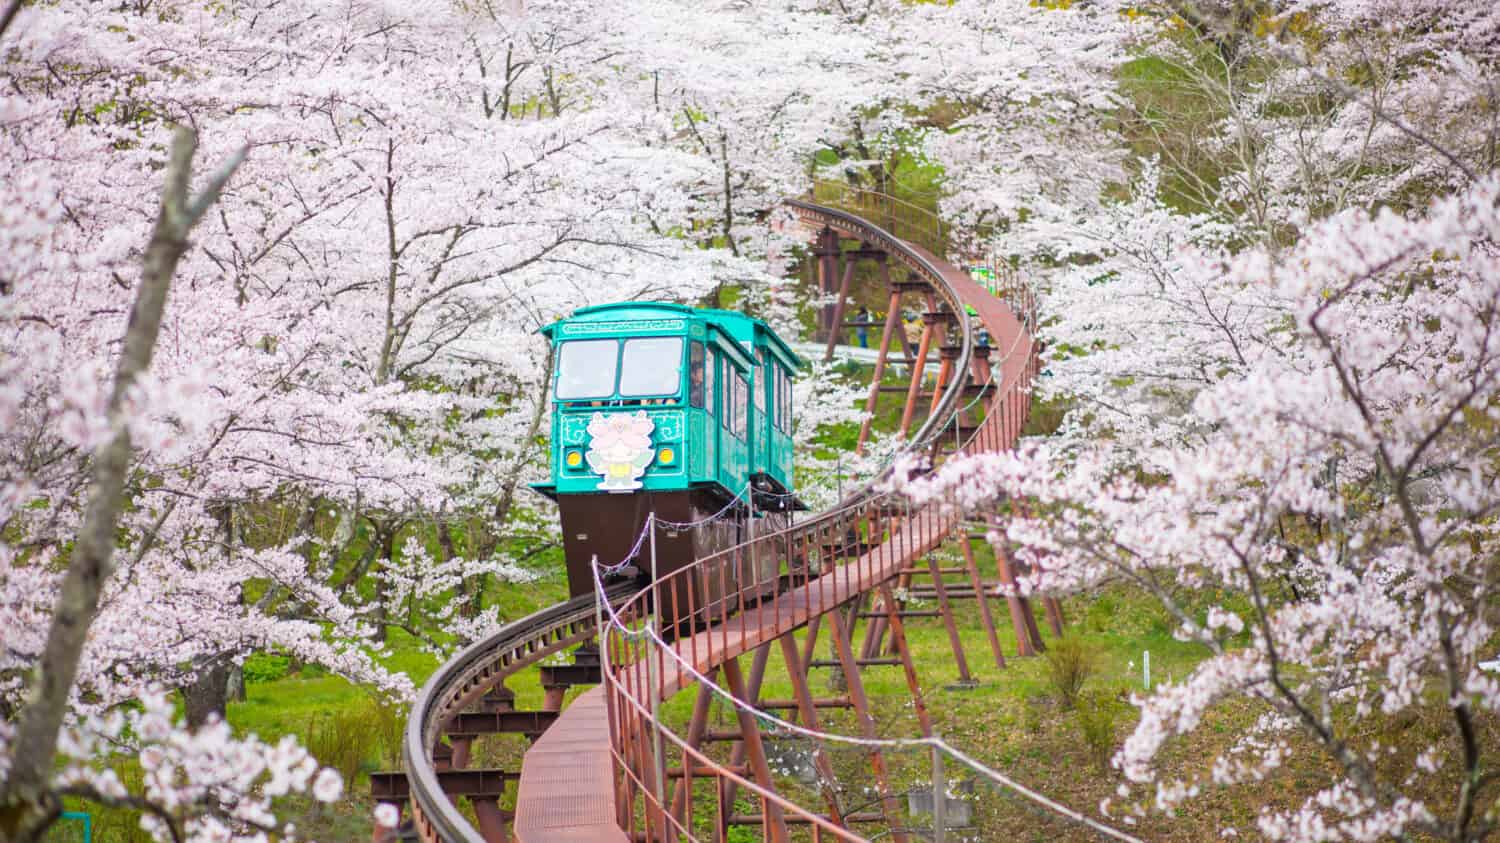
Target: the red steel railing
(731, 602)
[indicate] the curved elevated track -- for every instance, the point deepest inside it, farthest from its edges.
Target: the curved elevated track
(599, 770)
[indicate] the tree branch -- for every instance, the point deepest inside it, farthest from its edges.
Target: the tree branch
(28, 802)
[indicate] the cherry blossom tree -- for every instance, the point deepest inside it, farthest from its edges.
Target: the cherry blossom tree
(1275, 337)
(1276, 388)
(1343, 490)
(350, 333)
(1030, 90)
(175, 761)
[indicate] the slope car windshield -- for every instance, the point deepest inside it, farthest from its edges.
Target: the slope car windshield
(586, 368)
(651, 366)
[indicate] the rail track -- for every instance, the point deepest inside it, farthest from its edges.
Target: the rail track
(462, 682)
(828, 563)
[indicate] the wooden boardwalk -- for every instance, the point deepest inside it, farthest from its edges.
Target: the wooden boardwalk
(768, 621)
(567, 792)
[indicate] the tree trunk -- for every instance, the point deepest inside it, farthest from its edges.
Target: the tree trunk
(446, 552)
(491, 534)
(382, 612)
(208, 694)
(357, 571)
(27, 803)
(235, 683)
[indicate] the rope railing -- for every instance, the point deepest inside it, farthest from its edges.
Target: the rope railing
(737, 501)
(623, 635)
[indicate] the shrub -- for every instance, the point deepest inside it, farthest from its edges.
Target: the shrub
(1095, 716)
(388, 723)
(266, 667)
(338, 740)
(1070, 662)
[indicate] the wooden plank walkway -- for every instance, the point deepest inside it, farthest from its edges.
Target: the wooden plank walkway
(1008, 338)
(567, 791)
(791, 609)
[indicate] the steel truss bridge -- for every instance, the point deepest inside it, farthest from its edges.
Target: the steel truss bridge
(606, 767)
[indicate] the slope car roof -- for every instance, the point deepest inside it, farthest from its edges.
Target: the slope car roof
(748, 331)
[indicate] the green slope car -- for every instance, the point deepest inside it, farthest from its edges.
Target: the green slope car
(667, 409)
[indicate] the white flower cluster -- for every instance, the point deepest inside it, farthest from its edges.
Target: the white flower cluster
(219, 788)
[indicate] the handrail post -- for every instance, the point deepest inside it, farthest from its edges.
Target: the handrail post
(939, 795)
(655, 600)
(655, 587)
(750, 543)
(658, 752)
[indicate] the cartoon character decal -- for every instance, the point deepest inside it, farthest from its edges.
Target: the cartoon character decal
(620, 449)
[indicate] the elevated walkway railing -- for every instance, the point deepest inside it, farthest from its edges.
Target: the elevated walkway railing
(730, 602)
(820, 563)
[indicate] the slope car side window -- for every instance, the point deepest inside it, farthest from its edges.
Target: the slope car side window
(712, 399)
(726, 393)
(695, 374)
(777, 381)
(762, 378)
(787, 411)
(741, 404)
(586, 368)
(786, 381)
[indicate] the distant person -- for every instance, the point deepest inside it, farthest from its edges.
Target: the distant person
(862, 332)
(695, 385)
(913, 330)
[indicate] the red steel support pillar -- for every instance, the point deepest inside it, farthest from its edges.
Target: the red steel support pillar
(836, 330)
(986, 619)
(888, 806)
(1054, 615)
(918, 369)
(946, 607)
(491, 820)
(892, 316)
(898, 639)
(682, 797)
(796, 670)
(750, 739)
(827, 251)
(1021, 617)
(737, 755)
